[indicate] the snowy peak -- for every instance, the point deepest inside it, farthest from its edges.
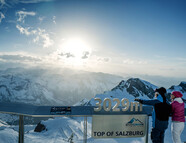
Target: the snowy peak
(130, 89)
(181, 87)
(18, 88)
(136, 87)
(83, 102)
(120, 86)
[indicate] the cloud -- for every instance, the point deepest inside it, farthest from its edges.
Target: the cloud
(134, 62)
(54, 19)
(41, 19)
(85, 55)
(46, 41)
(3, 4)
(10, 3)
(23, 14)
(23, 59)
(27, 31)
(34, 1)
(103, 59)
(40, 35)
(67, 55)
(1, 16)
(19, 58)
(128, 61)
(183, 60)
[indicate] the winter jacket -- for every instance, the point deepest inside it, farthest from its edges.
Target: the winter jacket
(178, 110)
(184, 100)
(161, 112)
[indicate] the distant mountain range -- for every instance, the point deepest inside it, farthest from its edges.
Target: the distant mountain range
(66, 87)
(136, 88)
(52, 87)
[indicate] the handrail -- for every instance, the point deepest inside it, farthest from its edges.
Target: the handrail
(22, 110)
(45, 111)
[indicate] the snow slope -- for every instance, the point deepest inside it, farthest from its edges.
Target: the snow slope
(60, 129)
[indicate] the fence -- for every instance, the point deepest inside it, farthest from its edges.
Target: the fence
(61, 111)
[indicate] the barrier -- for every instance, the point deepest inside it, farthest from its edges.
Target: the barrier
(22, 110)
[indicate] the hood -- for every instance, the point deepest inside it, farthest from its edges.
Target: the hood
(177, 94)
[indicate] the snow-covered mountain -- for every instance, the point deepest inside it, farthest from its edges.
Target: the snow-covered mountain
(67, 87)
(136, 87)
(52, 87)
(130, 89)
(20, 88)
(181, 87)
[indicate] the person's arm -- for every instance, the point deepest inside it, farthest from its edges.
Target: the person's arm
(147, 102)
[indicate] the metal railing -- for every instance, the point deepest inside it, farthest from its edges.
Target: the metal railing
(23, 110)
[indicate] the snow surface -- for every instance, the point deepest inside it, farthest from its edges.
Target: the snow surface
(148, 84)
(60, 129)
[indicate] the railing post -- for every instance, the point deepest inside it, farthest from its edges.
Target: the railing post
(85, 130)
(21, 129)
(147, 129)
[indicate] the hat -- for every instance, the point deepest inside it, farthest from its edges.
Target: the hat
(177, 94)
(161, 90)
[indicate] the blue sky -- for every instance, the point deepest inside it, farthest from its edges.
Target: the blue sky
(124, 37)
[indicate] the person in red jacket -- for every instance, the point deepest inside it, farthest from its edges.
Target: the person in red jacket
(178, 116)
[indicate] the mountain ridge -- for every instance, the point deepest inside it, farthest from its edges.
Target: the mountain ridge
(43, 88)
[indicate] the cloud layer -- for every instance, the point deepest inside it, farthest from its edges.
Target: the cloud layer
(23, 14)
(1, 16)
(19, 58)
(39, 35)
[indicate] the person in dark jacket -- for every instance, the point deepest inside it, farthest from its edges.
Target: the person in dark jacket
(184, 100)
(160, 114)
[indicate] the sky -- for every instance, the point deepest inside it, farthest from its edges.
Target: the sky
(123, 37)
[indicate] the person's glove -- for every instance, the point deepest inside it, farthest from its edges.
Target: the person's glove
(138, 100)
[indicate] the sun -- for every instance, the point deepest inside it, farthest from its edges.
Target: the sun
(74, 51)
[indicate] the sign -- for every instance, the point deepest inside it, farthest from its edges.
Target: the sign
(120, 126)
(60, 110)
(125, 105)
